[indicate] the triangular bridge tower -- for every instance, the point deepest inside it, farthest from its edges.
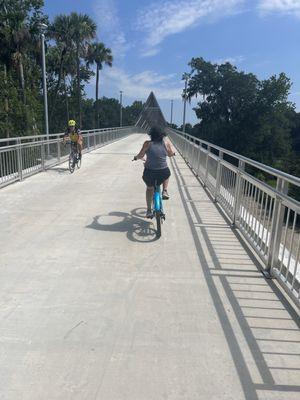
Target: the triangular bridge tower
(151, 114)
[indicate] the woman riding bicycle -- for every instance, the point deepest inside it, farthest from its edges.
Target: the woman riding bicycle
(73, 134)
(156, 168)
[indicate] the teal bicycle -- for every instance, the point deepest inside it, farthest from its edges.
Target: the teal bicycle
(157, 208)
(158, 211)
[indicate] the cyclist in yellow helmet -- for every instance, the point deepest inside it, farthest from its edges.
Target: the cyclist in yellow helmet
(73, 134)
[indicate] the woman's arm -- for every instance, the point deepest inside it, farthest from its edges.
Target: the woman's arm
(143, 150)
(170, 149)
(66, 137)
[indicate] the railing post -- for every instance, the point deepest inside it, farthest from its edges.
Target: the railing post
(206, 166)
(88, 141)
(185, 147)
(218, 178)
(282, 186)
(58, 149)
(43, 154)
(193, 155)
(19, 158)
(198, 159)
(238, 193)
(190, 152)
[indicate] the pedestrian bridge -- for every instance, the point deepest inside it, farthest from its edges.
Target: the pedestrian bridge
(94, 306)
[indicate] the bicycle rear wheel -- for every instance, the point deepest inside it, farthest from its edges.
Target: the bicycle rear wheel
(71, 162)
(158, 224)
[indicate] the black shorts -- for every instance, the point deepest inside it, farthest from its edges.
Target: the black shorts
(150, 176)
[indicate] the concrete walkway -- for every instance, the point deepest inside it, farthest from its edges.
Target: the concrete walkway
(92, 306)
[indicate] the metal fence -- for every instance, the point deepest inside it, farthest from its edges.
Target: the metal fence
(267, 217)
(24, 156)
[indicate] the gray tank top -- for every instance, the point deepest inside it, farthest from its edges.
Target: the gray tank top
(156, 156)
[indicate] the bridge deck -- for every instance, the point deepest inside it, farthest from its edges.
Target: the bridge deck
(93, 307)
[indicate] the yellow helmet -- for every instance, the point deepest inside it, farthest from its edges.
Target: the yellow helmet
(71, 122)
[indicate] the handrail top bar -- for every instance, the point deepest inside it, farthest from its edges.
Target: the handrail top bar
(62, 133)
(272, 171)
(16, 162)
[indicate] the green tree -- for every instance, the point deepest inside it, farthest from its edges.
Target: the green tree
(241, 113)
(109, 114)
(98, 54)
(19, 45)
(68, 39)
(61, 31)
(132, 112)
(83, 30)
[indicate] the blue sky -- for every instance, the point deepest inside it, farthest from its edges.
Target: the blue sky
(153, 41)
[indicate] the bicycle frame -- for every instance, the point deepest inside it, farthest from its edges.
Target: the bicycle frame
(74, 157)
(157, 200)
(74, 147)
(158, 212)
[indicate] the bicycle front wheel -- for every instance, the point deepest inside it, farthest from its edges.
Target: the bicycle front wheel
(71, 163)
(79, 162)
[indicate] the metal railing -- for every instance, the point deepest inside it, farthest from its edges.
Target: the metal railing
(27, 155)
(267, 217)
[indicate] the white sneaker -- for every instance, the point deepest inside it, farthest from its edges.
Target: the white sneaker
(149, 214)
(165, 195)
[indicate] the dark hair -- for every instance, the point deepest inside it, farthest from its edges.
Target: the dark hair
(157, 133)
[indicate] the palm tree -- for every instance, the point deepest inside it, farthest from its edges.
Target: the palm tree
(5, 59)
(16, 37)
(83, 30)
(16, 41)
(98, 54)
(61, 30)
(62, 71)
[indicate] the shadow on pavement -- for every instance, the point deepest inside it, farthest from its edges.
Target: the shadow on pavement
(260, 325)
(137, 229)
(59, 170)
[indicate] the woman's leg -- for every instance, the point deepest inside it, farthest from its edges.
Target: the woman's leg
(149, 196)
(165, 194)
(165, 184)
(80, 145)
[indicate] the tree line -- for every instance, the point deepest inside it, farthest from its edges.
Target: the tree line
(73, 57)
(244, 114)
(236, 110)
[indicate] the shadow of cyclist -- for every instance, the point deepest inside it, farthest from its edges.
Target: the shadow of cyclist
(136, 228)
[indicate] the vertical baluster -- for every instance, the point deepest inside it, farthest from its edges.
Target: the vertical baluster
(20, 167)
(218, 178)
(277, 225)
(238, 193)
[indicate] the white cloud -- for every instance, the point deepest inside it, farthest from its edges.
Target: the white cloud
(232, 60)
(109, 26)
(151, 52)
(139, 86)
(164, 18)
(284, 6)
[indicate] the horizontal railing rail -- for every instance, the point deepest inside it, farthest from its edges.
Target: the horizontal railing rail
(27, 155)
(14, 140)
(267, 217)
